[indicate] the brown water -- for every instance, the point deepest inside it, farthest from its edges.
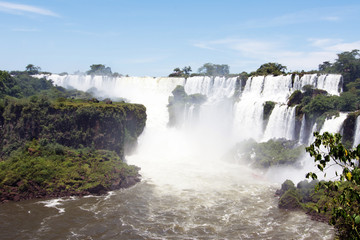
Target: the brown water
(147, 212)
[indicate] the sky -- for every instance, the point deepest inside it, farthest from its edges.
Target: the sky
(152, 37)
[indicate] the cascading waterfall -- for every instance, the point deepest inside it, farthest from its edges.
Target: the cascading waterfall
(281, 123)
(329, 82)
(244, 116)
(334, 124)
(248, 118)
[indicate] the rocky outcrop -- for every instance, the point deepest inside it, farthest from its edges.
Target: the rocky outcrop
(72, 123)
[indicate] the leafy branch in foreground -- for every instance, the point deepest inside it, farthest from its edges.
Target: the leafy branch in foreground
(328, 150)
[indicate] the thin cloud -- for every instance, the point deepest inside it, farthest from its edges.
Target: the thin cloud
(203, 46)
(323, 42)
(244, 46)
(14, 8)
(25, 30)
(334, 45)
(331, 19)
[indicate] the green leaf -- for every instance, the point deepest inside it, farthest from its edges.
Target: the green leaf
(320, 166)
(357, 219)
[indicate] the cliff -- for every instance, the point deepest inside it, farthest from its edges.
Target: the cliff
(66, 147)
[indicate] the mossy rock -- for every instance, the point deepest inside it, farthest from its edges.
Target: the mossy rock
(295, 98)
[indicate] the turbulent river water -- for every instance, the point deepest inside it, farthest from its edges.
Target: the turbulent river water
(189, 189)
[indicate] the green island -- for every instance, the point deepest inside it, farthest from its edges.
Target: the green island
(55, 142)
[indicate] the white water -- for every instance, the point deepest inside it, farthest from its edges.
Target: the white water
(334, 124)
(329, 82)
(281, 123)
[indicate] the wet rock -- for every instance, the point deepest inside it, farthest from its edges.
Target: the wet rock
(287, 185)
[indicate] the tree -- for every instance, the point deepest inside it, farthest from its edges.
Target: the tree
(99, 69)
(347, 64)
(6, 83)
(271, 69)
(325, 66)
(176, 73)
(210, 69)
(31, 69)
(327, 150)
(184, 72)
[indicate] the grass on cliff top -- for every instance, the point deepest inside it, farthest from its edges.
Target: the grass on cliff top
(54, 167)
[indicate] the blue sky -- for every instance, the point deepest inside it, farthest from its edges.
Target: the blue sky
(151, 38)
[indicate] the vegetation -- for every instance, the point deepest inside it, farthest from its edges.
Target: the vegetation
(43, 169)
(317, 105)
(31, 69)
(304, 197)
(270, 69)
(210, 69)
(184, 72)
(295, 98)
(270, 153)
(347, 64)
(22, 85)
(99, 69)
(70, 123)
(337, 201)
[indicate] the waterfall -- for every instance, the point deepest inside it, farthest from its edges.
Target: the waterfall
(334, 124)
(328, 82)
(214, 88)
(357, 132)
(302, 137)
(277, 89)
(281, 123)
(241, 118)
